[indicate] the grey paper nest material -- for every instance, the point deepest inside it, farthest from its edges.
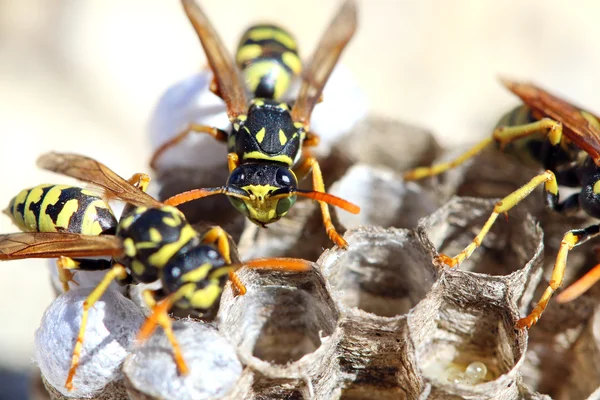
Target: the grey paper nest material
(379, 320)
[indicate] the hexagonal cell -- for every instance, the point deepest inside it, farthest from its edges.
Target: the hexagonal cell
(384, 271)
(282, 318)
(467, 318)
(512, 249)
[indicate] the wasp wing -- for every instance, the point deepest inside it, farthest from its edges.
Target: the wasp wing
(329, 49)
(90, 170)
(227, 77)
(583, 132)
(16, 246)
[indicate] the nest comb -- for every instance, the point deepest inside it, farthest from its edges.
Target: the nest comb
(379, 320)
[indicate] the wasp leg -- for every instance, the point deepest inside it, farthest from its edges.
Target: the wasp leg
(571, 239)
(424, 172)
(502, 207)
(318, 185)
(233, 161)
(160, 316)
(66, 265)
(140, 181)
(219, 236)
(237, 283)
(218, 134)
(312, 140)
(507, 134)
(503, 136)
(116, 272)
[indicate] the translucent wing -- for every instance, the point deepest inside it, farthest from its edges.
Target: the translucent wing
(16, 246)
(90, 170)
(329, 49)
(229, 83)
(584, 133)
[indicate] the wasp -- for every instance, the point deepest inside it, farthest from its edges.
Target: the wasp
(269, 139)
(151, 241)
(565, 140)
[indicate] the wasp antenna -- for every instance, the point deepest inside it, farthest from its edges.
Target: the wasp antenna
(330, 199)
(194, 194)
(280, 264)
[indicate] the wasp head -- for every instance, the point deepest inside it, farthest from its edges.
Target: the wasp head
(262, 192)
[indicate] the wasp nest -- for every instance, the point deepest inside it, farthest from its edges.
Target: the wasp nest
(378, 320)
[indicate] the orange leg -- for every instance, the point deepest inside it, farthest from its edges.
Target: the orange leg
(571, 239)
(318, 185)
(219, 236)
(140, 181)
(312, 139)
(218, 134)
(117, 271)
(160, 316)
(64, 266)
(581, 286)
(237, 283)
(233, 161)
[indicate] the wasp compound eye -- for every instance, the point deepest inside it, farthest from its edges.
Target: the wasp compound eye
(237, 177)
(284, 178)
(239, 204)
(283, 205)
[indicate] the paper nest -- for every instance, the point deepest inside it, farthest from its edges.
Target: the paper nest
(379, 320)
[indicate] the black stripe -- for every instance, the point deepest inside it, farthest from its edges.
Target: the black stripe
(35, 207)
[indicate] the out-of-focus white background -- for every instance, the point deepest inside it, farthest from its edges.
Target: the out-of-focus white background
(83, 76)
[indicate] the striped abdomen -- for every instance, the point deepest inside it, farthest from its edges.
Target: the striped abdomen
(268, 58)
(61, 208)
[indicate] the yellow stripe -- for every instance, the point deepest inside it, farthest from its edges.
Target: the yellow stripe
(18, 218)
(248, 52)
(206, 297)
(127, 221)
(129, 247)
(137, 267)
(597, 187)
(167, 251)
(257, 155)
(292, 61)
(91, 224)
(70, 208)
(198, 274)
(35, 196)
(155, 235)
(282, 137)
(260, 135)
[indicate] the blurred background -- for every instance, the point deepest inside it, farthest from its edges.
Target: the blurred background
(83, 76)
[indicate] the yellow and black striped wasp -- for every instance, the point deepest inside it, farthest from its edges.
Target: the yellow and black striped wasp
(268, 140)
(150, 242)
(565, 140)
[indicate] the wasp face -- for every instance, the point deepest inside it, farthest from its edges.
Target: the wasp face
(264, 187)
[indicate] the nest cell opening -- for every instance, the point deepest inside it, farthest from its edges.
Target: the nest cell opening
(459, 338)
(282, 317)
(385, 273)
(510, 244)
